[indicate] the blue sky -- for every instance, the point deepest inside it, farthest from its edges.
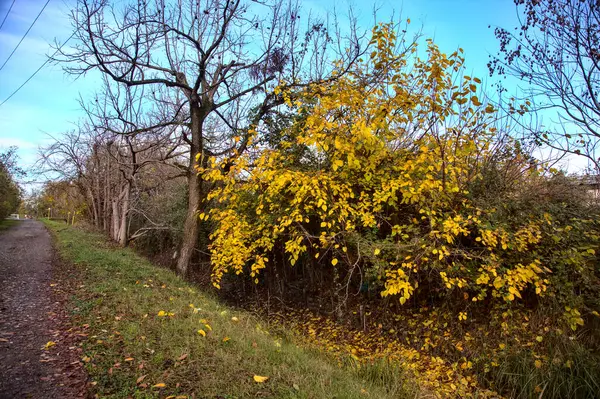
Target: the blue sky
(49, 102)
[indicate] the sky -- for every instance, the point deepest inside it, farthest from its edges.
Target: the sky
(48, 103)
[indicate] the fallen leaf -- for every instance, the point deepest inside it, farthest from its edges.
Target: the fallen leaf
(296, 387)
(260, 379)
(226, 339)
(182, 357)
(159, 385)
(140, 379)
(128, 359)
(49, 345)
(162, 313)
(202, 332)
(235, 319)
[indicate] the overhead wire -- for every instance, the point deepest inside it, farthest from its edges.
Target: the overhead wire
(25, 35)
(39, 69)
(8, 12)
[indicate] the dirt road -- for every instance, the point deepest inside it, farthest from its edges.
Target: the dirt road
(30, 317)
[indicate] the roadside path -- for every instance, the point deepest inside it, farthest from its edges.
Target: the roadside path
(30, 317)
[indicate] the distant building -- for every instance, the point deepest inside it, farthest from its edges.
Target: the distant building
(592, 186)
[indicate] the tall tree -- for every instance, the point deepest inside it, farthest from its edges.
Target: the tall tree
(555, 52)
(10, 193)
(222, 57)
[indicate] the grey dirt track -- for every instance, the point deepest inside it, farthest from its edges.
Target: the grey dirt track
(26, 370)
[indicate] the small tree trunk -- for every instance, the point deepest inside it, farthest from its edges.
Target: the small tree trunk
(94, 206)
(122, 235)
(114, 231)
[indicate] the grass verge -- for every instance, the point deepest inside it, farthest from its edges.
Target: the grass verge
(152, 335)
(5, 224)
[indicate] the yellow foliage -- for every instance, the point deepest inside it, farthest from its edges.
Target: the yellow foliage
(397, 148)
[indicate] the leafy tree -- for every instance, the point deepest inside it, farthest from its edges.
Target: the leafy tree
(213, 60)
(10, 193)
(396, 147)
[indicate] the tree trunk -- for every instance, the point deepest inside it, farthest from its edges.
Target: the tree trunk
(94, 207)
(122, 235)
(107, 196)
(114, 232)
(191, 226)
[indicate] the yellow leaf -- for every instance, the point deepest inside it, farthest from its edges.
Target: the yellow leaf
(159, 385)
(128, 359)
(260, 379)
(202, 332)
(49, 345)
(226, 339)
(538, 364)
(539, 338)
(377, 251)
(162, 313)
(235, 319)
(334, 261)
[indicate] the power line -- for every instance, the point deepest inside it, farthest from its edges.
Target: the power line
(39, 69)
(6, 16)
(23, 38)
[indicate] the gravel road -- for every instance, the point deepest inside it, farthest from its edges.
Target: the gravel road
(30, 318)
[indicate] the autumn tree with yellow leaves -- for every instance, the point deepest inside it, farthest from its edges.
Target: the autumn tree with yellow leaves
(382, 194)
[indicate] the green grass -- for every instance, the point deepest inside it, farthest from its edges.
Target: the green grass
(5, 224)
(519, 378)
(119, 295)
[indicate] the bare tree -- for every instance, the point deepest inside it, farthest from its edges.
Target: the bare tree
(135, 137)
(104, 156)
(222, 58)
(555, 52)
